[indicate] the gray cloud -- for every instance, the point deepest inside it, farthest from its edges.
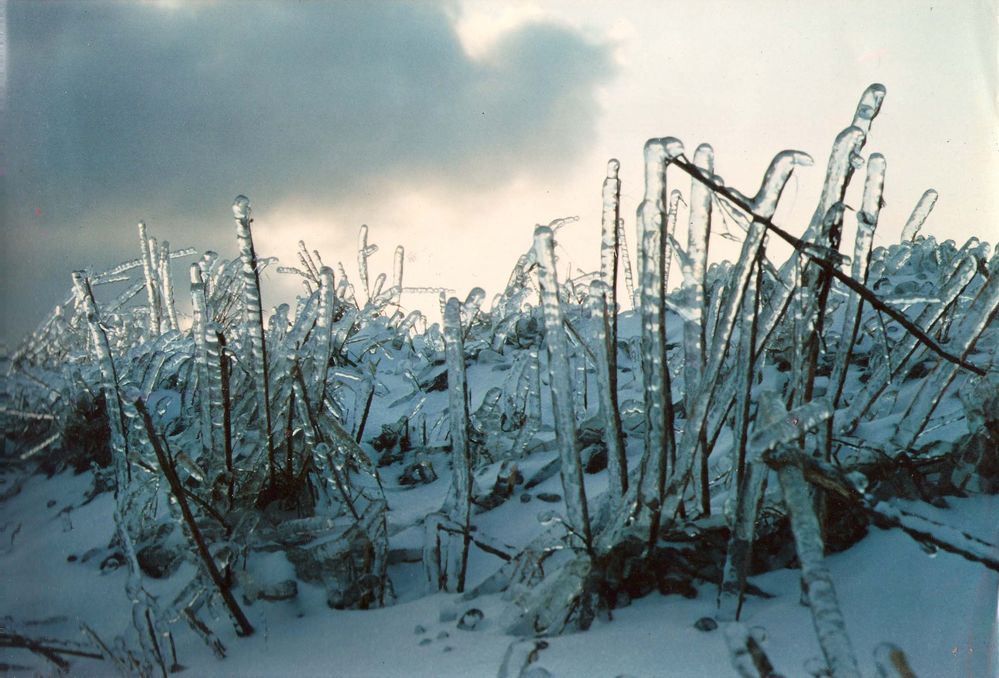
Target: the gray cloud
(121, 111)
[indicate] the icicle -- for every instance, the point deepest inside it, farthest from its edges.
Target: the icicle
(919, 215)
(867, 222)
(363, 252)
(561, 388)
(253, 325)
(470, 307)
(409, 323)
(659, 443)
(609, 229)
(617, 463)
(323, 333)
(214, 348)
(694, 291)
(345, 290)
(166, 278)
(400, 254)
(830, 627)
(869, 107)
(152, 293)
(198, 329)
(278, 323)
(532, 404)
(460, 499)
(109, 377)
(376, 289)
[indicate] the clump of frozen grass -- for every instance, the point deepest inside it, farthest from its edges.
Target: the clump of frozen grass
(256, 425)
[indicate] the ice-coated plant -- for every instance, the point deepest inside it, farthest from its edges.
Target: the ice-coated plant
(251, 431)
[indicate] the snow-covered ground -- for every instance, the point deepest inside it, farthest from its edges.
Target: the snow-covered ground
(939, 608)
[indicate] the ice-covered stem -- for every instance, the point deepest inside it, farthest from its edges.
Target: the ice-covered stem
(470, 308)
(253, 327)
(532, 403)
(813, 296)
(221, 398)
(109, 378)
(243, 626)
(846, 149)
(695, 425)
(199, 330)
(867, 222)
(148, 270)
(777, 428)
(919, 215)
(323, 333)
(610, 247)
(658, 398)
(739, 554)
(166, 278)
(869, 106)
(460, 499)
(617, 463)
(363, 252)
(695, 294)
(748, 658)
(773, 183)
(376, 289)
(400, 255)
(751, 476)
(561, 388)
(747, 355)
(830, 626)
(307, 261)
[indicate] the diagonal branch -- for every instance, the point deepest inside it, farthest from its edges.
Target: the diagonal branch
(243, 626)
(826, 265)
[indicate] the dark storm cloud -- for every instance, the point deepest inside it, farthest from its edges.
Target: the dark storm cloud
(122, 111)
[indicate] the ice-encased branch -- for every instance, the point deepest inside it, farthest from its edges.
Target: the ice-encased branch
(617, 463)
(886, 514)
(919, 215)
(253, 326)
(149, 271)
(561, 387)
(109, 377)
(460, 499)
(831, 268)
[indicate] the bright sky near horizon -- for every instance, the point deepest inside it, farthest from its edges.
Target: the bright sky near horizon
(452, 128)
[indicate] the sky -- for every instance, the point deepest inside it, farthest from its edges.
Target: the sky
(452, 128)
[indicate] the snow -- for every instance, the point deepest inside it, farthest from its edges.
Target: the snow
(940, 609)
